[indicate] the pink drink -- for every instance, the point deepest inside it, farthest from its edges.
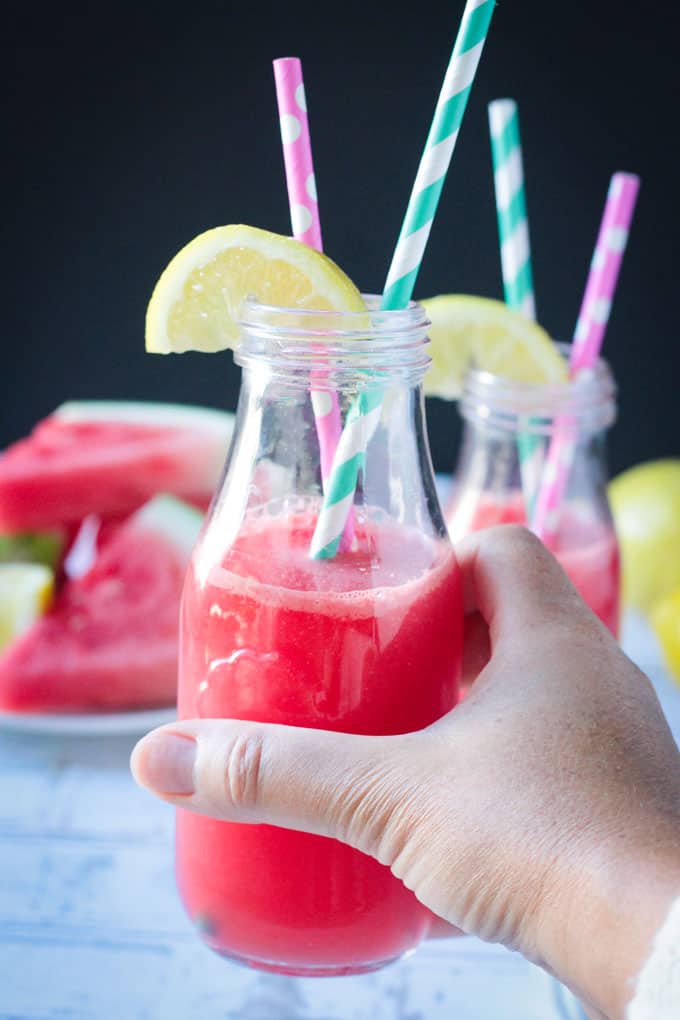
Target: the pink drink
(586, 548)
(369, 642)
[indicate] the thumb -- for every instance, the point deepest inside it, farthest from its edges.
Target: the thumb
(515, 584)
(331, 784)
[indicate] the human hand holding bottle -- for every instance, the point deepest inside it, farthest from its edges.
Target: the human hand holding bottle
(542, 813)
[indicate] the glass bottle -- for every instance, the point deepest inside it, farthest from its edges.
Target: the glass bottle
(489, 487)
(367, 641)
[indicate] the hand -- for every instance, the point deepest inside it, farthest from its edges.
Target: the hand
(543, 812)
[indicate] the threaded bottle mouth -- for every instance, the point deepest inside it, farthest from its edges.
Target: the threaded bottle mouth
(370, 346)
(589, 401)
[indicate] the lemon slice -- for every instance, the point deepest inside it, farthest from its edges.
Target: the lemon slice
(645, 502)
(665, 619)
(499, 340)
(25, 593)
(196, 303)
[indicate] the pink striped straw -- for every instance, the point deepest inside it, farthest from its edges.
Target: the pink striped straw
(587, 343)
(306, 225)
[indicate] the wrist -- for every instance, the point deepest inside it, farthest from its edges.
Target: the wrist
(610, 903)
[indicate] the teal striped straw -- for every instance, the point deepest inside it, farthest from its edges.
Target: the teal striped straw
(513, 234)
(511, 208)
(364, 414)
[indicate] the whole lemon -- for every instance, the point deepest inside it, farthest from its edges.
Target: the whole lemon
(665, 619)
(645, 502)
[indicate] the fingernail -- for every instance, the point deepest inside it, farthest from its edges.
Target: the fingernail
(165, 763)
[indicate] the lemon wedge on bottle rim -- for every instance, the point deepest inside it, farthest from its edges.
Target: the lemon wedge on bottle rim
(468, 329)
(196, 303)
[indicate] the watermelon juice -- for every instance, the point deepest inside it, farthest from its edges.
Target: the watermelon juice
(368, 642)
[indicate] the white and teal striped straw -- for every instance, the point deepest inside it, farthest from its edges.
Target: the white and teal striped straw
(364, 415)
(513, 234)
(511, 207)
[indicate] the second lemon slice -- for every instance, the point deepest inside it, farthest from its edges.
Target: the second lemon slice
(665, 619)
(197, 300)
(499, 340)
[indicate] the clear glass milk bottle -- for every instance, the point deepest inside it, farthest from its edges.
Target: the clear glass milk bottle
(366, 641)
(504, 422)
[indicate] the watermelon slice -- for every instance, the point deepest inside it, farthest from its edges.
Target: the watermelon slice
(109, 643)
(108, 458)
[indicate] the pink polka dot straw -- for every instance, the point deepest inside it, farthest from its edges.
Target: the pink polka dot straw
(297, 152)
(587, 343)
(306, 225)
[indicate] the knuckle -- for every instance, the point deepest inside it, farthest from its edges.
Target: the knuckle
(242, 779)
(518, 541)
(517, 545)
(373, 811)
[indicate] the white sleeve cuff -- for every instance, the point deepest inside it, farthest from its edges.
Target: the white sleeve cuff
(657, 996)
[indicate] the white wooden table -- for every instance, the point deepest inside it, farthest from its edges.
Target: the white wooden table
(91, 926)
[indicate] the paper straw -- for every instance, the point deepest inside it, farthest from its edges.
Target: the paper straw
(297, 152)
(587, 343)
(306, 226)
(513, 233)
(364, 414)
(511, 210)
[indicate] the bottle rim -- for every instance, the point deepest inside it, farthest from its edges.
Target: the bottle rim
(589, 400)
(372, 323)
(372, 343)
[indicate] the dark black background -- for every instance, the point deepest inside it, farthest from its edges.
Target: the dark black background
(130, 131)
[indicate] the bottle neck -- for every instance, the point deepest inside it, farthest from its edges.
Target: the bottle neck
(303, 374)
(506, 444)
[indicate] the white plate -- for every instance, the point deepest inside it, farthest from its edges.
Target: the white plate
(88, 725)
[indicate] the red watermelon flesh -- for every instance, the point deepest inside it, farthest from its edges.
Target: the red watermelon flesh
(110, 641)
(109, 458)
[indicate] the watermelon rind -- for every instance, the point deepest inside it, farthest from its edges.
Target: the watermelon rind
(171, 518)
(141, 412)
(43, 547)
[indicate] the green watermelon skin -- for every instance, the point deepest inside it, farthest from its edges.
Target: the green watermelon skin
(110, 641)
(108, 459)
